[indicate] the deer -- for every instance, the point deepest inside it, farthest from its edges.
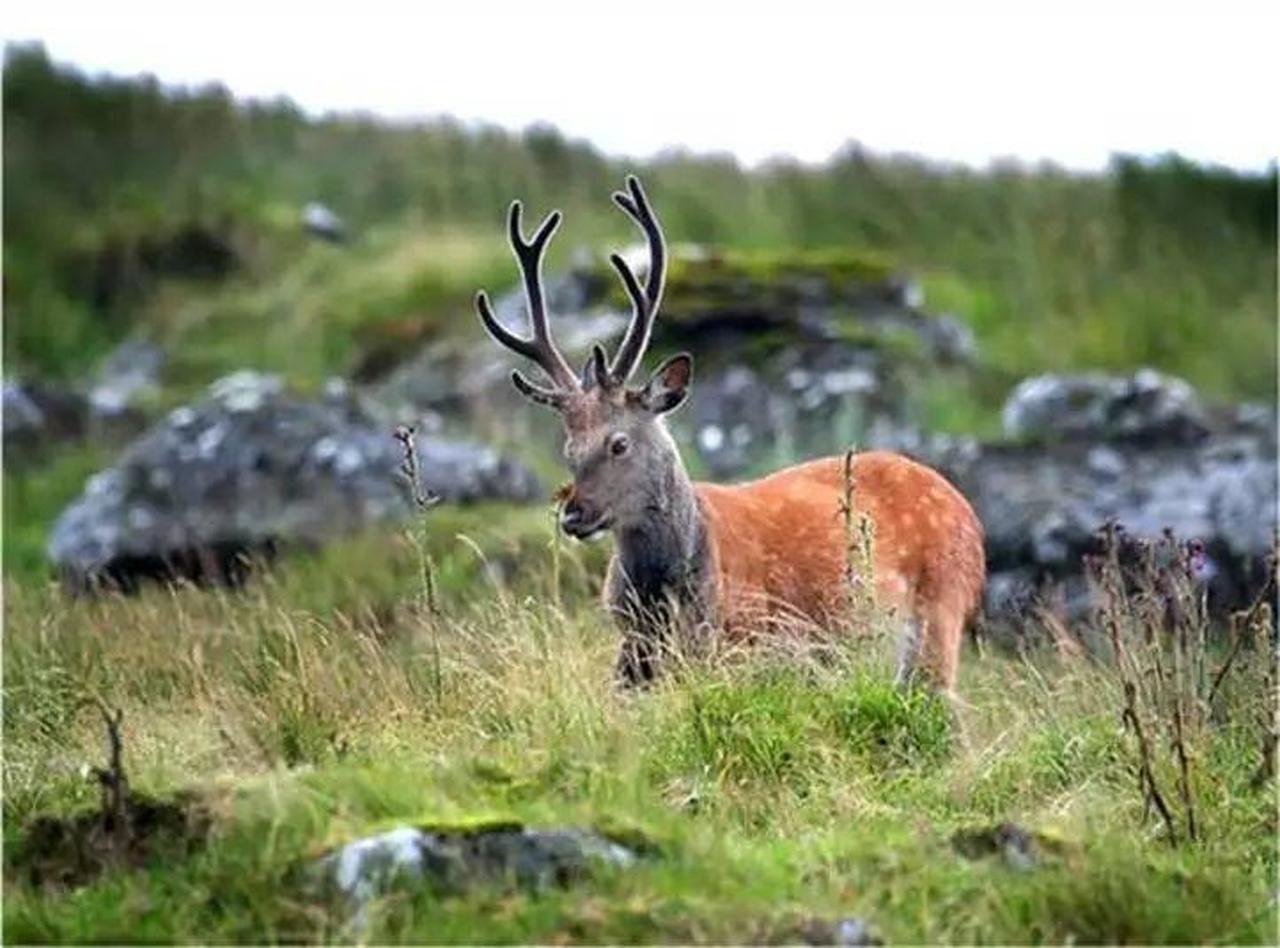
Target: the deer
(697, 563)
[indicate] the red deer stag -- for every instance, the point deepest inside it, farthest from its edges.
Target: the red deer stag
(732, 560)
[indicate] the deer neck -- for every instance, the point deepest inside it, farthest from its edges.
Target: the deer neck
(663, 551)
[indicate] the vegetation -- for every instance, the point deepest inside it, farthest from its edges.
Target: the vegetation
(330, 700)
(460, 672)
(120, 189)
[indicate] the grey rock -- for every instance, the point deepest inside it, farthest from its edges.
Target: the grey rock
(849, 931)
(1019, 848)
(37, 416)
(453, 860)
(131, 371)
(1042, 506)
(321, 222)
(1145, 406)
(836, 361)
(806, 400)
(252, 467)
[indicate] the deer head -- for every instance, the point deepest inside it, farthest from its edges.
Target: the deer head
(617, 446)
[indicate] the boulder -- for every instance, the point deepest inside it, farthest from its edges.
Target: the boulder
(1043, 503)
(40, 415)
(322, 223)
(1146, 406)
(130, 373)
(451, 860)
(849, 931)
(796, 354)
(251, 467)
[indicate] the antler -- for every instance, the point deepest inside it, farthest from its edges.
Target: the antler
(644, 305)
(540, 348)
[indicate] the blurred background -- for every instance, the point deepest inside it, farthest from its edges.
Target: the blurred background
(1036, 251)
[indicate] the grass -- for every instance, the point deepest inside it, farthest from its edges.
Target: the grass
(1155, 262)
(334, 696)
(327, 700)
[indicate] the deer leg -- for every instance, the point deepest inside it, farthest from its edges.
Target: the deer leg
(939, 656)
(637, 664)
(909, 644)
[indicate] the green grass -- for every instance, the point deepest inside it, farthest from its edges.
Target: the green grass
(1155, 262)
(328, 701)
(336, 695)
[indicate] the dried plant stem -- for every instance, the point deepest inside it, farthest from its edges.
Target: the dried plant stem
(114, 783)
(1147, 784)
(846, 512)
(859, 539)
(1184, 773)
(425, 500)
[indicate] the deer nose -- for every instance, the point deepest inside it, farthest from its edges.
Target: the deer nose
(570, 517)
(581, 522)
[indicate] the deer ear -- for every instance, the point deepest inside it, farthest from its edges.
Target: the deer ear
(668, 387)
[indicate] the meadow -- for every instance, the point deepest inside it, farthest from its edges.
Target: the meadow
(457, 671)
(773, 790)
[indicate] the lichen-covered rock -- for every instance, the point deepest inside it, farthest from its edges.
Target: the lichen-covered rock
(796, 354)
(451, 860)
(321, 222)
(1145, 406)
(851, 932)
(130, 372)
(1042, 505)
(808, 399)
(39, 415)
(251, 467)
(1019, 848)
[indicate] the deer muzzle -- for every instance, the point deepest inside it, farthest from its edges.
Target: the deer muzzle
(583, 521)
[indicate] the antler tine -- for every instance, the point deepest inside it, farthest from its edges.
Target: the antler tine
(541, 348)
(644, 305)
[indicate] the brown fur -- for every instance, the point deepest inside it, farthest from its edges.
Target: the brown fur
(779, 549)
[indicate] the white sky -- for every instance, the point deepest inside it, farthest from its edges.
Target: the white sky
(801, 78)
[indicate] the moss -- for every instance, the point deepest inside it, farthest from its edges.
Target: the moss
(758, 281)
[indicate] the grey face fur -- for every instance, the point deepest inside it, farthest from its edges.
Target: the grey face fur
(623, 460)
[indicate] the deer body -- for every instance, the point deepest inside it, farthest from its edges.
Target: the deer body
(699, 560)
(770, 556)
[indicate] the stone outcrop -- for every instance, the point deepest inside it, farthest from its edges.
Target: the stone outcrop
(252, 467)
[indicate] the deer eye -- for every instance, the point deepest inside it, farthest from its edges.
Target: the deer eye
(619, 444)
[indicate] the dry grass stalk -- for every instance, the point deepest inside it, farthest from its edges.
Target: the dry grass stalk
(425, 500)
(1155, 616)
(859, 539)
(114, 783)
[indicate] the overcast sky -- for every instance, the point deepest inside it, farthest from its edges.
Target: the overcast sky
(1072, 85)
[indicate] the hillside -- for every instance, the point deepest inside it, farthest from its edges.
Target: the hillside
(218, 756)
(121, 189)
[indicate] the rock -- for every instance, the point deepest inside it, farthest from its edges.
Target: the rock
(809, 399)
(37, 416)
(1042, 505)
(40, 415)
(131, 371)
(844, 931)
(796, 355)
(1145, 406)
(452, 860)
(1019, 848)
(247, 469)
(323, 223)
